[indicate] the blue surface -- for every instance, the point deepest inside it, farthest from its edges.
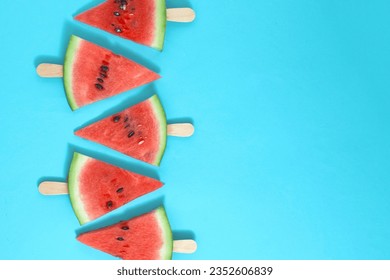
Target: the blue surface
(290, 159)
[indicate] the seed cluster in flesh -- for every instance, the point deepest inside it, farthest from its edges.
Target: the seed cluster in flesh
(110, 203)
(103, 74)
(123, 227)
(130, 127)
(124, 13)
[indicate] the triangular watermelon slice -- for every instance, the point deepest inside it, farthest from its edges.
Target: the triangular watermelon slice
(146, 237)
(139, 131)
(96, 187)
(142, 21)
(92, 73)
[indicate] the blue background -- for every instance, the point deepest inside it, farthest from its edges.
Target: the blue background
(290, 100)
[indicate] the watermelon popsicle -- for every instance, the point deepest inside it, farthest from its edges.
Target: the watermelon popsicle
(145, 237)
(140, 131)
(96, 188)
(92, 73)
(140, 232)
(141, 21)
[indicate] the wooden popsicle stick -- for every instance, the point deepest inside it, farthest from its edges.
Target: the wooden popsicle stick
(48, 70)
(180, 14)
(180, 129)
(53, 188)
(185, 246)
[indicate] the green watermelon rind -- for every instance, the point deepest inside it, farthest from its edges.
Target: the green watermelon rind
(167, 249)
(162, 120)
(68, 66)
(160, 25)
(76, 165)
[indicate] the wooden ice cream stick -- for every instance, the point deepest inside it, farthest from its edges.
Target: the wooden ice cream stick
(180, 14)
(48, 70)
(185, 246)
(53, 188)
(180, 129)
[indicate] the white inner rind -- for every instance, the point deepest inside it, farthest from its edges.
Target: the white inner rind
(167, 248)
(160, 24)
(76, 166)
(70, 56)
(162, 120)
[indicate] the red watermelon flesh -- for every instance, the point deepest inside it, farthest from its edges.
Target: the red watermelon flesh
(93, 73)
(142, 21)
(146, 237)
(139, 131)
(96, 187)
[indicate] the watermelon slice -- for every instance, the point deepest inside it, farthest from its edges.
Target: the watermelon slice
(142, 21)
(96, 187)
(139, 131)
(92, 73)
(146, 237)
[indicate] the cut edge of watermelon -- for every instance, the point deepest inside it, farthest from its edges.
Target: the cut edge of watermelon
(68, 62)
(78, 161)
(166, 251)
(160, 25)
(161, 117)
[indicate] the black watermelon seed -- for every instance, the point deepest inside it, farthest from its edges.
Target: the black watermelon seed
(131, 133)
(118, 30)
(125, 227)
(119, 190)
(116, 118)
(104, 68)
(109, 204)
(123, 4)
(100, 80)
(120, 238)
(99, 86)
(117, 14)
